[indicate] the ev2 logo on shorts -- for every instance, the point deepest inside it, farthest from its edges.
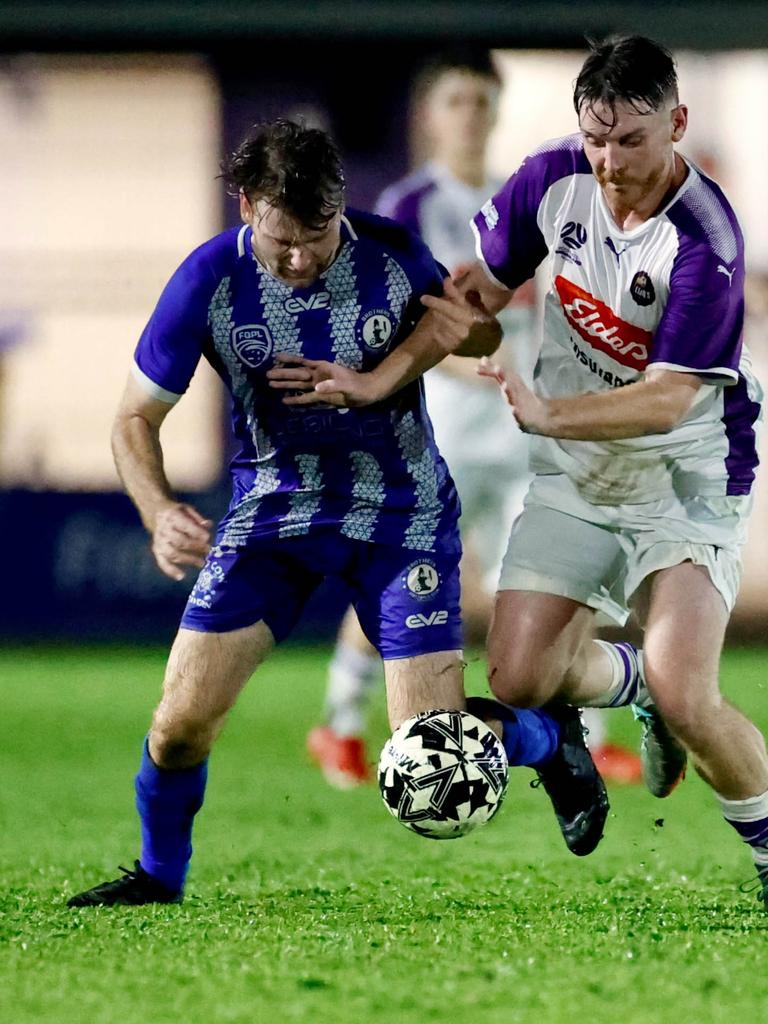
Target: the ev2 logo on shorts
(419, 621)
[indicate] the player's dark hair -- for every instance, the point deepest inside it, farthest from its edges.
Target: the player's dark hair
(474, 61)
(626, 69)
(296, 169)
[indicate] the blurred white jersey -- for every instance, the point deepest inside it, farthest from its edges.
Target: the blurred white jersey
(472, 424)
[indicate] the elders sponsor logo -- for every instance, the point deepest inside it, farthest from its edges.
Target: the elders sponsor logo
(599, 325)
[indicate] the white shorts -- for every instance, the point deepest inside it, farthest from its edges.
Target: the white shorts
(599, 555)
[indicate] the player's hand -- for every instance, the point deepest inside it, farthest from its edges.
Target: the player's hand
(321, 382)
(180, 536)
(531, 412)
(464, 325)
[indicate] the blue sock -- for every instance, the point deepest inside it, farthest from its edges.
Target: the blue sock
(167, 802)
(529, 735)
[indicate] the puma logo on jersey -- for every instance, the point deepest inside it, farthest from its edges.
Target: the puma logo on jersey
(295, 304)
(728, 273)
(599, 325)
(612, 246)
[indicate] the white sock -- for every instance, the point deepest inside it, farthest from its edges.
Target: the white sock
(594, 721)
(352, 675)
(627, 685)
(750, 819)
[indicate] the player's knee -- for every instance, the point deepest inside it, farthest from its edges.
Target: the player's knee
(179, 744)
(524, 685)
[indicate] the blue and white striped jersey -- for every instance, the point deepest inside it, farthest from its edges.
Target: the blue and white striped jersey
(374, 474)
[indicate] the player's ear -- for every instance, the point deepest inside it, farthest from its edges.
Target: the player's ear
(246, 210)
(679, 121)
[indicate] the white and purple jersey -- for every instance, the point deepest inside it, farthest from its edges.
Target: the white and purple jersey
(372, 474)
(438, 207)
(667, 294)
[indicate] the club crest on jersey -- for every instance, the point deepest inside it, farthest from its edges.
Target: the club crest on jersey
(421, 579)
(601, 328)
(376, 328)
(252, 343)
(641, 289)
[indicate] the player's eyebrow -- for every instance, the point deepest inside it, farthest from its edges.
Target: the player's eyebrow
(636, 133)
(295, 241)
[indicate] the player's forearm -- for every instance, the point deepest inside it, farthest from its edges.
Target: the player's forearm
(139, 461)
(647, 407)
(420, 351)
(425, 347)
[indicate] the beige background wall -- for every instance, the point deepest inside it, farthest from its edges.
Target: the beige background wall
(107, 173)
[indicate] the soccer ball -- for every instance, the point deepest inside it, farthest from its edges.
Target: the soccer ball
(443, 773)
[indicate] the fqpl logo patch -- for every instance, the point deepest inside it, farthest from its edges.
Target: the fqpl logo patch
(421, 579)
(252, 343)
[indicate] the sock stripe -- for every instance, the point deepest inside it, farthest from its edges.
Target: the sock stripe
(628, 690)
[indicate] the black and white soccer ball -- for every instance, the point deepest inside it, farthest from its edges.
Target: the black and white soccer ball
(443, 774)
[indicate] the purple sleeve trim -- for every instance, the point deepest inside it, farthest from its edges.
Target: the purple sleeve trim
(510, 240)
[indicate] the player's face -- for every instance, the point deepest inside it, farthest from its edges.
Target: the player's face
(460, 112)
(630, 153)
(294, 254)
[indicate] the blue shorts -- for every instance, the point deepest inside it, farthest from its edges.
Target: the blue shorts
(407, 601)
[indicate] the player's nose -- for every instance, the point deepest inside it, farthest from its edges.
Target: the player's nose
(300, 258)
(613, 161)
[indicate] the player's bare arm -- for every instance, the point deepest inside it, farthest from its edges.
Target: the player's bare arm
(653, 405)
(456, 323)
(180, 535)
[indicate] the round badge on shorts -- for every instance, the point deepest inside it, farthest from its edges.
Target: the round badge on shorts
(377, 328)
(421, 579)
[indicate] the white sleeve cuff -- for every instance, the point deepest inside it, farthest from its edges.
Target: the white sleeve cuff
(153, 389)
(724, 373)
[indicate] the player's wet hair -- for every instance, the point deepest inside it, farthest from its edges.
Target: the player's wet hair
(294, 168)
(626, 69)
(474, 61)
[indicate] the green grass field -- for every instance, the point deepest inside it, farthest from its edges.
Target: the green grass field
(309, 905)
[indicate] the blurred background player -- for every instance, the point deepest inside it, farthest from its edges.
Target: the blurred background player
(455, 103)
